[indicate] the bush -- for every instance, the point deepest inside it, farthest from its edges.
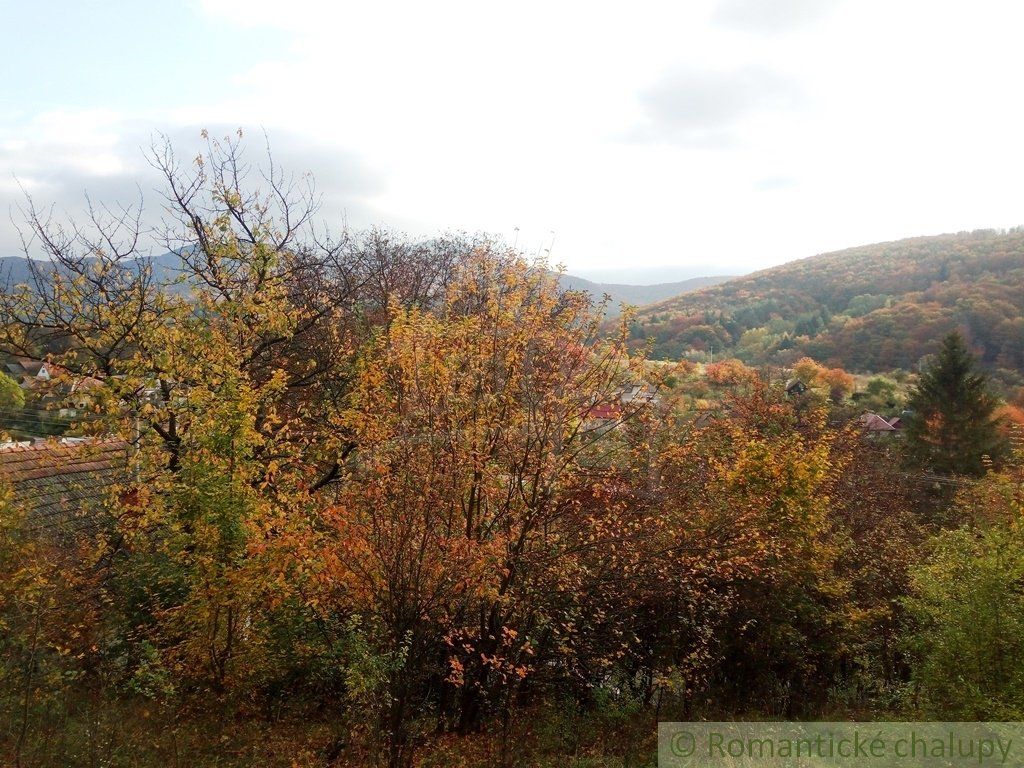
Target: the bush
(969, 646)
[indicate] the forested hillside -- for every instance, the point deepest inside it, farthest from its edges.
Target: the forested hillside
(873, 308)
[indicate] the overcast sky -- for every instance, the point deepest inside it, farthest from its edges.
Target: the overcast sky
(721, 135)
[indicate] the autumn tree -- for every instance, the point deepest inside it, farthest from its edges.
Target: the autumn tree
(835, 381)
(750, 579)
(951, 429)
(839, 383)
(729, 372)
(245, 384)
(223, 375)
(881, 533)
(457, 530)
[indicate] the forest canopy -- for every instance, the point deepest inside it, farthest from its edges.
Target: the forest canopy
(873, 308)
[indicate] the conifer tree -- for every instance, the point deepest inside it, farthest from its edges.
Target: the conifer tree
(952, 426)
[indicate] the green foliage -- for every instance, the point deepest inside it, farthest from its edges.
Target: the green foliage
(881, 395)
(11, 394)
(969, 640)
(866, 303)
(879, 386)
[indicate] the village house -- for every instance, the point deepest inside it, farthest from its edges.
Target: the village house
(875, 426)
(795, 387)
(603, 416)
(27, 372)
(51, 385)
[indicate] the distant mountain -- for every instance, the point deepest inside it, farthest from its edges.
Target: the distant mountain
(640, 275)
(637, 295)
(872, 308)
(15, 270)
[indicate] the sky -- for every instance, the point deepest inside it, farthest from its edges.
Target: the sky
(712, 136)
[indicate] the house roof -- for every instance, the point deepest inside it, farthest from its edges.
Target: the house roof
(643, 392)
(86, 384)
(26, 365)
(56, 481)
(606, 411)
(875, 423)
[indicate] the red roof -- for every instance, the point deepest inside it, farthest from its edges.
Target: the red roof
(606, 411)
(56, 481)
(875, 423)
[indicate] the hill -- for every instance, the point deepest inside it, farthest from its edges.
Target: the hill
(872, 308)
(637, 274)
(15, 270)
(638, 295)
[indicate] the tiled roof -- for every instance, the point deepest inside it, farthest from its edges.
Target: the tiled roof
(26, 365)
(58, 483)
(875, 423)
(606, 411)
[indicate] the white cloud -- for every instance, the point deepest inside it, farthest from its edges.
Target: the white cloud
(771, 16)
(60, 157)
(705, 108)
(771, 130)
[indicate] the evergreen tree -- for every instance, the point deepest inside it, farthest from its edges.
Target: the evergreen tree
(952, 427)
